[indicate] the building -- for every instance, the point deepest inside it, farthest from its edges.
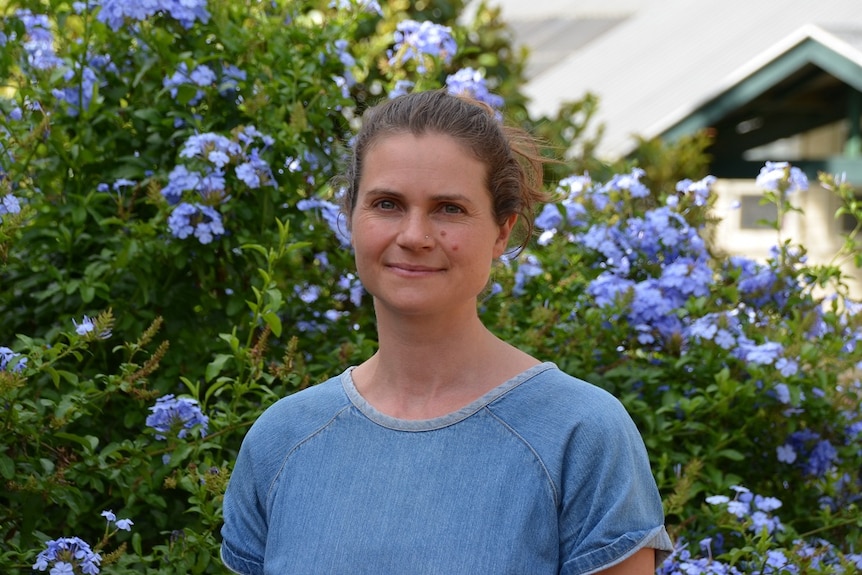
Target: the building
(772, 79)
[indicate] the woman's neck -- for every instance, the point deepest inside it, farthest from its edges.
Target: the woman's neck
(428, 367)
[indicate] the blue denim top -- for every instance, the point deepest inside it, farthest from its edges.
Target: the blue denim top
(544, 474)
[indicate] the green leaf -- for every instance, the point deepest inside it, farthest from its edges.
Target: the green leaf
(216, 366)
(87, 293)
(88, 442)
(7, 467)
(255, 247)
(274, 322)
(731, 454)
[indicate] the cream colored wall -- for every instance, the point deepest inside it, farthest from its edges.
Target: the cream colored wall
(816, 228)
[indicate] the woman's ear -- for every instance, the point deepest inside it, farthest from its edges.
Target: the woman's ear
(505, 233)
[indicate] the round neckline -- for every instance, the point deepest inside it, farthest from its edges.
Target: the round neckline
(451, 418)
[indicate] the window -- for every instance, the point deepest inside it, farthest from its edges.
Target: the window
(754, 215)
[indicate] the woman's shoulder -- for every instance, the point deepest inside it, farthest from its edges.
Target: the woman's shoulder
(554, 395)
(303, 411)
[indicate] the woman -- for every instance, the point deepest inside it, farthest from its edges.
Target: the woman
(448, 451)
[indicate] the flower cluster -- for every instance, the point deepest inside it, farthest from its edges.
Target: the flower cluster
(204, 181)
(81, 80)
(66, 554)
(9, 204)
(807, 449)
(470, 82)
(115, 12)
(173, 415)
(201, 76)
(781, 176)
(11, 361)
(401, 88)
(70, 555)
(372, 6)
(654, 262)
(121, 524)
(414, 41)
(200, 221)
(331, 214)
(726, 329)
(89, 326)
(754, 509)
(681, 562)
(38, 42)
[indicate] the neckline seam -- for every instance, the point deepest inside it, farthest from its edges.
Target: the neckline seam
(436, 423)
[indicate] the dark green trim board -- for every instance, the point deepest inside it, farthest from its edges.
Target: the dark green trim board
(809, 51)
(810, 85)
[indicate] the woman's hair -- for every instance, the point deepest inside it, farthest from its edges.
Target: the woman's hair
(511, 155)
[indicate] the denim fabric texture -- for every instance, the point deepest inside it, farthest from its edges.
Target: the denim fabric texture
(545, 474)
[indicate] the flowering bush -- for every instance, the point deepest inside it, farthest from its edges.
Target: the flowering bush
(172, 261)
(738, 372)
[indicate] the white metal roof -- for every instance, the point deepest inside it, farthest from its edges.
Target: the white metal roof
(664, 57)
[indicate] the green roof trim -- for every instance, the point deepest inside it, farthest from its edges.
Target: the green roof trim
(808, 51)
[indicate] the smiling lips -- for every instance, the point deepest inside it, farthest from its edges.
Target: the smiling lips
(412, 269)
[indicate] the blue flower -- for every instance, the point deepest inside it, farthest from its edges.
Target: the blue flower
(366, 5)
(10, 360)
(415, 40)
(630, 182)
(528, 267)
(788, 367)
(176, 415)
(9, 204)
(249, 135)
(231, 77)
(470, 82)
(180, 180)
(77, 95)
(401, 87)
(204, 222)
(200, 146)
(88, 326)
(201, 76)
(255, 171)
(549, 218)
(354, 288)
(767, 503)
(782, 392)
(762, 354)
(38, 40)
(785, 453)
(63, 554)
(775, 175)
(62, 568)
(122, 524)
(331, 214)
(821, 458)
(186, 12)
(699, 190)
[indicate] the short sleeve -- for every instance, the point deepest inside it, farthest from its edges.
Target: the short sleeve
(611, 507)
(244, 530)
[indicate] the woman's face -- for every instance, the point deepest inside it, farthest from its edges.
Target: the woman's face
(423, 227)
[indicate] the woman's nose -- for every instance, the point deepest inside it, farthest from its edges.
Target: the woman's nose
(416, 232)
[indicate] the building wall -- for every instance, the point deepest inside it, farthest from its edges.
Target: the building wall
(817, 229)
